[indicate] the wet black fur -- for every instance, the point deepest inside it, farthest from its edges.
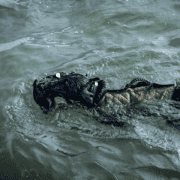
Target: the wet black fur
(69, 86)
(79, 87)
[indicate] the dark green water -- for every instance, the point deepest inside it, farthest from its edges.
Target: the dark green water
(115, 40)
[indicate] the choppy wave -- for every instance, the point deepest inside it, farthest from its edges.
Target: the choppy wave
(10, 45)
(59, 139)
(114, 40)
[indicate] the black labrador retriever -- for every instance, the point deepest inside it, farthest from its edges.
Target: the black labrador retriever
(93, 92)
(69, 86)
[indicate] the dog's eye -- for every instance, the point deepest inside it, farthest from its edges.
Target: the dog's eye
(58, 75)
(96, 83)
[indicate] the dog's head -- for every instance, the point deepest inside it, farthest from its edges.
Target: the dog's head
(70, 86)
(51, 79)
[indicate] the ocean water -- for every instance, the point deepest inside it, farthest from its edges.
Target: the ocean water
(115, 40)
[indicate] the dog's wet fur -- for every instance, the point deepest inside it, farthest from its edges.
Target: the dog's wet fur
(71, 86)
(87, 91)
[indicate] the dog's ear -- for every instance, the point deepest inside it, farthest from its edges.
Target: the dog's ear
(100, 92)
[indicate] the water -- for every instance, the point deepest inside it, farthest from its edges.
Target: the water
(114, 40)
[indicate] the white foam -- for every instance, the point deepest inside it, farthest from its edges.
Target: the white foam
(58, 75)
(10, 45)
